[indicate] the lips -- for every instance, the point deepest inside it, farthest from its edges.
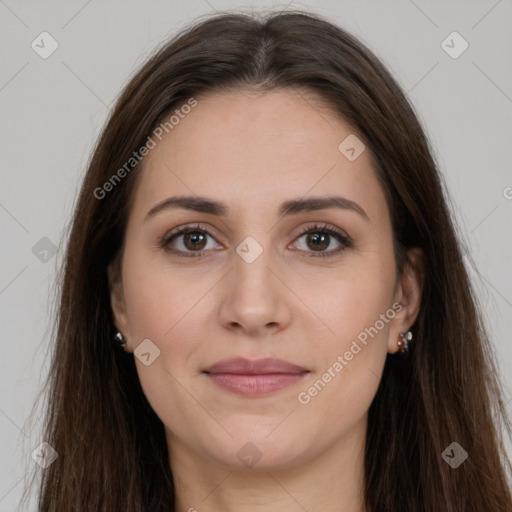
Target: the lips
(240, 365)
(254, 377)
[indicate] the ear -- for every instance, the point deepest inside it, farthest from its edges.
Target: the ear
(117, 302)
(408, 294)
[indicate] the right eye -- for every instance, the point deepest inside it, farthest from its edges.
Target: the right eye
(186, 240)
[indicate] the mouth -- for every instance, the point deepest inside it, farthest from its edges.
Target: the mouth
(254, 377)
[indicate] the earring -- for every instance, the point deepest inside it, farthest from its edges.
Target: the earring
(403, 342)
(120, 340)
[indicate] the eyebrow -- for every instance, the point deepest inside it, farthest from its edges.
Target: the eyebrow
(287, 208)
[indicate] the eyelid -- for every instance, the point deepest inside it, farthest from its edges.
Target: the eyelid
(323, 226)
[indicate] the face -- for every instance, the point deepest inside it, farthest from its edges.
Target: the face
(260, 334)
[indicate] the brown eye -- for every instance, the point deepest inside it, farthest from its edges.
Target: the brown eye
(194, 241)
(318, 241)
(189, 241)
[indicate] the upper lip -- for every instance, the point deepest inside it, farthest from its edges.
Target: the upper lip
(242, 366)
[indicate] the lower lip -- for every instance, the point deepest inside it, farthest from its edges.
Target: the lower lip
(254, 385)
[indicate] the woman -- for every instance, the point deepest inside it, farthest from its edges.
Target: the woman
(264, 304)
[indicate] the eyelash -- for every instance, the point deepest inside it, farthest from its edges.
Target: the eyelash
(344, 240)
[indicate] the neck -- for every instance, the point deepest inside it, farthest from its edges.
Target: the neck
(332, 480)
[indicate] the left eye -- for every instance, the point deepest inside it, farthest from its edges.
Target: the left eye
(316, 240)
(319, 237)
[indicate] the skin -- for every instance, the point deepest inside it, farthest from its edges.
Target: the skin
(253, 151)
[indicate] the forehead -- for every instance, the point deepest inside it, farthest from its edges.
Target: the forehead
(253, 149)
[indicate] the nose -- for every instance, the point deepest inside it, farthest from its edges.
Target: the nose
(256, 300)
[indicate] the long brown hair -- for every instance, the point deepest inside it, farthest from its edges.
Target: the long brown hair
(112, 453)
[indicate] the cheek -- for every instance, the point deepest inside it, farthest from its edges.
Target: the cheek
(350, 359)
(355, 297)
(349, 365)
(159, 297)
(165, 309)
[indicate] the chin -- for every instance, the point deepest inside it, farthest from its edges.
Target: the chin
(259, 450)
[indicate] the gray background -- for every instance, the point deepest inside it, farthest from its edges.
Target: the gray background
(52, 110)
